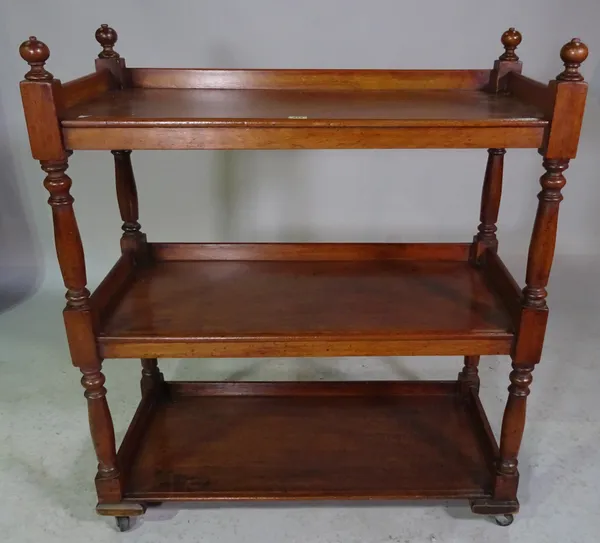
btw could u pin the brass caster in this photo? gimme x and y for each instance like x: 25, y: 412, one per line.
x: 504, y: 520
x: 123, y: 523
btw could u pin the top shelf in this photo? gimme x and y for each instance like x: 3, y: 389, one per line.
x: 290, y: 109
x: 118, y: 107
x: 302, y: 108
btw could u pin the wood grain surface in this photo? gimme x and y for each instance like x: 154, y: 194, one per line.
x: 215, y: 107
x: 276, y: 302
x: 346, y: 441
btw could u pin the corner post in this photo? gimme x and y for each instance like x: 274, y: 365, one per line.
x: 41, y: 102
x: 133, y: 240
x: 108, y: 58
x: 507, y: 62
x: 559, y: 147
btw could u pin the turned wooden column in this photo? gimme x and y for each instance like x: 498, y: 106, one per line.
x: 151, y: 375
x: 469, y: 376
x: 490, y: 204
x: 39, y: 92
x: 485, y: 239
x: 559, y: 147
x: 78, y: 316
x: 133, y: 239
x: 513, y: 425
x: 134, y: 242
x: 543, y: 239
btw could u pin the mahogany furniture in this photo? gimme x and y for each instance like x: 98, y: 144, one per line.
x: 285, y: 441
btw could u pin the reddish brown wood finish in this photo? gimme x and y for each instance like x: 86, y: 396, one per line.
x: 308, y: 80
x: 511, y: 40
x: 86, y: 88
x: 110, y: 290
x: 107, y: 37
x: 41, y: 98
x: 194, y: 300
x: 511, y: 435
x: 531, y: 92
x: 508, y: 62
x: 186, y: 108
x: 469, y: 376
x: 78, y: 320
x: 503, y: 283
x: 41, y: 114
x: 66, y: 233
x: 294, y: 137
x: 572, y: 54
x: 490, y: 204
x: 133, y: 238
x: 133, y: 241
x: 543, y: 238
x: 108, y: 59
x: 560, y: 145
x: 151, y: 375
x: 344, y: 304
x: 35, y: 53
x: 312, y: 252
x: 214, y: 441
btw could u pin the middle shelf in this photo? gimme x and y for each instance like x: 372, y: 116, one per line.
x: 228, y: 300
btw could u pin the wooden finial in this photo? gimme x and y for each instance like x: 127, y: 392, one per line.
x: 572, y: 54
x: 511, y: 40
x: 107, y: 37
x: 35, y: 53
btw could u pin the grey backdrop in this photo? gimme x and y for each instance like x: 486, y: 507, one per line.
x: 300, y: 195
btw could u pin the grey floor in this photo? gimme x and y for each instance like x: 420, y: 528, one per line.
x: 47, y: 462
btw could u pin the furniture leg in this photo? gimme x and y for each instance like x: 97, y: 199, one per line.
x: 101, y: 425
x: 133, y: 239
x: 534, y: 315
x: 78, y: 321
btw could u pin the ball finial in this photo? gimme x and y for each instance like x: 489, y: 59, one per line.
x: 107, y: 37
x: 35, y: 53
x: 572, y: 54
x: 510, y: 40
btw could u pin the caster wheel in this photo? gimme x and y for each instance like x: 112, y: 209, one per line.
x: 123, y: 523
x: 504, y: 520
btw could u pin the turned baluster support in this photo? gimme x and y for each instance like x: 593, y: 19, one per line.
x: 469, y: 376
x: 559, y: 147
x: 152, y: 378
x: 79, y: 322
x: 491, y: 195
x: 69, y: 248
x: 543, y: 240
x: 133, y: 239
x: 513, y: 426
x: 101, y: 426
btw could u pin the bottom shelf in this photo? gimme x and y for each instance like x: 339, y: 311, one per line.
x: 274, y: 441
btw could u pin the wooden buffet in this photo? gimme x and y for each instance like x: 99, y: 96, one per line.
x: 323, y: 440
